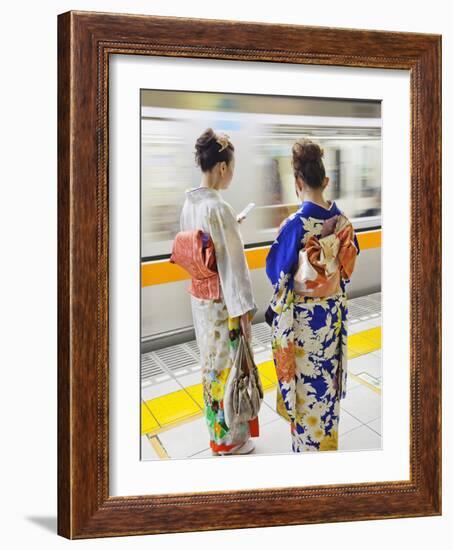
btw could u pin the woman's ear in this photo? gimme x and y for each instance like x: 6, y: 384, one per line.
x: 222, y: 167
x: 298, y: 186
x: 299, y: 183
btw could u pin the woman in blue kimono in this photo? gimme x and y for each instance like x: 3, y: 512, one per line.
x: 309, y: 264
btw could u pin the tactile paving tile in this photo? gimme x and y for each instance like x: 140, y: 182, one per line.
x: 150, y: 368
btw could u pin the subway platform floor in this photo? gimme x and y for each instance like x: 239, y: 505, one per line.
x: 172, y: 421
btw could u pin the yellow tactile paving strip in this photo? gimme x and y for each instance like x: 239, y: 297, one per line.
x: 163, y: 272
x: 162, y: 413
x: 363, y: 342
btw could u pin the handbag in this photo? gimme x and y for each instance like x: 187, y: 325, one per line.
x: 243, y: 391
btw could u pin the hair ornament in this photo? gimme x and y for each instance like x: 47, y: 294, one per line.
x: 223, y: 140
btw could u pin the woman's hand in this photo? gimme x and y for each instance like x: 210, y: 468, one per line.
x: 246, y: 325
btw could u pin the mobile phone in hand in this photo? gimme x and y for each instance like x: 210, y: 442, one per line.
x: 242, y: 215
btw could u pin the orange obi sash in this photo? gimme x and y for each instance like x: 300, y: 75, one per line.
x: 323, y: 261
x: 199, y: 261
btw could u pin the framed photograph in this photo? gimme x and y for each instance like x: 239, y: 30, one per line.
x: 249, y: 274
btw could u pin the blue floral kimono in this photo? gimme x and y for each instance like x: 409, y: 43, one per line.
x: 309, y: 337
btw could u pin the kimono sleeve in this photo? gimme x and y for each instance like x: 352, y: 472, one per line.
x: 281, y: 264
x: 231, y: 263
x: 282, y: 260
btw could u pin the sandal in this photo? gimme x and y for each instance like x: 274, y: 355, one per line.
x: 242, y: 449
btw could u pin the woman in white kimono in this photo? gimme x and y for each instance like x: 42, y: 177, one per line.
x: 218, y: 322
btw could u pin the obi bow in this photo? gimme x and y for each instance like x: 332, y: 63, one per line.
x: 198, y: 259
x: 323, y: 260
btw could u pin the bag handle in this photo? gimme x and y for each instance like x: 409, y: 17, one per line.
x: 248, y: 355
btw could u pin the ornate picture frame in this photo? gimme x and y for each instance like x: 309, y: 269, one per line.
x: 86, y: 41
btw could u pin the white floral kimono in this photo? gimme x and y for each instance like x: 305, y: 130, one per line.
x: 216, y: 322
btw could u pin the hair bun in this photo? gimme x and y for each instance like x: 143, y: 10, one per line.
x: 205, y: 140
x: 307, y: 151
x: 211, y: 148
x: 307, y: 162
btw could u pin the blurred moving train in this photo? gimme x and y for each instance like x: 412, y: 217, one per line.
x: 263, y: 129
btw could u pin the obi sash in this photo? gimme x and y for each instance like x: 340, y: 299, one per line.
x: 323, y: 261
x: 194, y: 252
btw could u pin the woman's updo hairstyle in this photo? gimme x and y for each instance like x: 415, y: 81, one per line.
x: 212, y: 148
x: 307, y: 162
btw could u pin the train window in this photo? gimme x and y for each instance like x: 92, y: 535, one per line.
x: 351, y: 140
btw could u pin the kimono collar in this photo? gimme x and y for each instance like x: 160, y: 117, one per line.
x: 200, y: 193
x: 310, y: 209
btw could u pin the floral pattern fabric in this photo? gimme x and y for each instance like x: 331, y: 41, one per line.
x: 216, y: 322
x: 218, y: 339
x: 309, y: 337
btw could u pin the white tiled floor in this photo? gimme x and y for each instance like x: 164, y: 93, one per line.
x: 376, y: 425
x: 186, y: 439
x: 270, y: 398
x: 205, y: 453
x: 347, y: 422
x: 369, y: 363
x: 159, y: 389
x: 359, y: 439
x: 362, y: 403
x: 274, y: 438
x: 267, y: 414
x: 190, y: 379
x: 352, y: 382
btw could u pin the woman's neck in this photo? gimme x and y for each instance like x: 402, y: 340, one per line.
x: 208, y: 180
x: 316, y: 197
